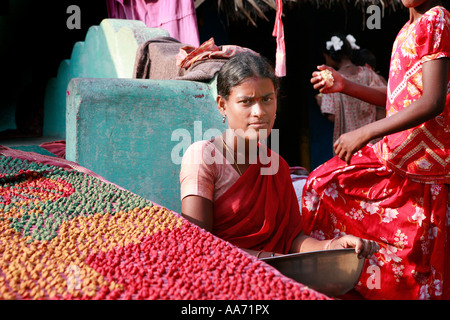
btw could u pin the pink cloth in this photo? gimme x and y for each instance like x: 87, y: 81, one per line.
x: 178, y: 17
x: 58, y: 148
x: 278, y: 31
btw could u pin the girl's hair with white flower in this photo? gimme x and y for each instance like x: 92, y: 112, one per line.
x: 339, y: 46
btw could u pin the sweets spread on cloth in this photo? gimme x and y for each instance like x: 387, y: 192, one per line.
x: 68, y: 234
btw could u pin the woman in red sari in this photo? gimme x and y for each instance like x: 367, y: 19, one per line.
x: 395, y: 192
x: 227, y: 185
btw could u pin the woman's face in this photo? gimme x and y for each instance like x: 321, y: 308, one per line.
x: 251, y: 107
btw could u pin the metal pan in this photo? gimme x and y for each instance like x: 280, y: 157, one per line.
x: 331, y: 272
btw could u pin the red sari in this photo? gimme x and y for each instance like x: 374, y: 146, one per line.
x: 258, y: 211
x: 396, y: 192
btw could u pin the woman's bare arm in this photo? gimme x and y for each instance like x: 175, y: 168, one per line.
x: 372, y: 95
x: 198, y: 210
x: 428, y: 106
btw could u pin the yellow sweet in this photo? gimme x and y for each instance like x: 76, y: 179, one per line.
x: 328, y: 77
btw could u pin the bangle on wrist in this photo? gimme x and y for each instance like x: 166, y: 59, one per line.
x: 328, y: 244
x: 258, y: 254
x: 261, y: 251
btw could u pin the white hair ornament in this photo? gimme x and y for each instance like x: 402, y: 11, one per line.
x: 335, y: 42
x: 352, y: 42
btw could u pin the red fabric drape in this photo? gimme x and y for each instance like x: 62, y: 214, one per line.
x: 408, y: 220
x: 278, y: 31
x: 259, y: 212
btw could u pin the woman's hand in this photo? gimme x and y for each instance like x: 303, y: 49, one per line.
x: 364, y: 248
x: 319, y: 83
x: 349, y: 143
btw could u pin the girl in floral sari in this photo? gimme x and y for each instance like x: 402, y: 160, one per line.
x: 229, y: 189
x: 395, y: 192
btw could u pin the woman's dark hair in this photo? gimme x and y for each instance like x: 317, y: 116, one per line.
x: 337, y: 55
x: 243, y: 66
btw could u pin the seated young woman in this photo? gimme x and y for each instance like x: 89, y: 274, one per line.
x: 239, y: 189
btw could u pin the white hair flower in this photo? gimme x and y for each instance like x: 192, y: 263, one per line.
x: 335, y: 42
x: 352, y: 42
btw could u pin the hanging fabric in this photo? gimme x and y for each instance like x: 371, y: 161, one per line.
x: 278, y: 31
x: 178, y: 17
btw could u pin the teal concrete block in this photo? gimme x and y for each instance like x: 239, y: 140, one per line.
x: 108, y: 51
x: 134, y: 132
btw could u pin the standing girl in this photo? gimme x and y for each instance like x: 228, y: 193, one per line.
x: 395, y: 192
x: 346, y: 112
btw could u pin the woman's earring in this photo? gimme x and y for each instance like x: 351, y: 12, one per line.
x: 223, y: 118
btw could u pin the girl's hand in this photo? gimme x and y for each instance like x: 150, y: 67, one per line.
x: 319, y: 83
x: 349, y: 143
x: 364, y: 248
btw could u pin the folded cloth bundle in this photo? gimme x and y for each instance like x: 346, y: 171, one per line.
x: 155, y: 59
x: 188, y: 55
x: 167, y: 58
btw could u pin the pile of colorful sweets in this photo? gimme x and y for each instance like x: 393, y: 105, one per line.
x: 65, y: 234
